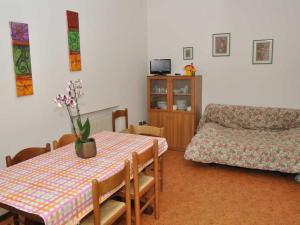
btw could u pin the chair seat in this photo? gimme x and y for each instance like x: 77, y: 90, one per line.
x: 144, y: 182
x: 110, y: 209
x: 3, y: 211
x: 6, y: 217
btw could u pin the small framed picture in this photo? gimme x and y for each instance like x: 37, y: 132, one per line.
x: 188, y: 53
x: 221, y: 44
x: 262, y: 51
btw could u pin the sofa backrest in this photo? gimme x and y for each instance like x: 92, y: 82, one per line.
x: 251, y: 117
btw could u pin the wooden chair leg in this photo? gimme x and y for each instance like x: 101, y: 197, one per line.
x: 156, y: 208
x: 137, y: 212
x: 161, y: 173
x: 21, y: 219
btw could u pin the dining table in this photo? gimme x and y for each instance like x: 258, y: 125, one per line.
x: 55, y: 188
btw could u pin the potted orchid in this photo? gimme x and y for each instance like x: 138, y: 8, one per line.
x: 85, y: 147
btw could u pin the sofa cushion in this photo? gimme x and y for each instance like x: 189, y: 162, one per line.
x: 251, y: 117
x: 262, y: 149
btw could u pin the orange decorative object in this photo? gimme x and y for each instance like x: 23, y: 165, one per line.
x: 24, y: 85
x: 75, y: 62
x: 190, y: 70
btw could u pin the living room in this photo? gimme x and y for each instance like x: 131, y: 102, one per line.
x: 117, y: 41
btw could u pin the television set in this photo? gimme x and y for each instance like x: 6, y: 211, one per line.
x: 160, y: 66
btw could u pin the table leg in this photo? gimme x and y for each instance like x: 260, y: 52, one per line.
x: 161, y: 173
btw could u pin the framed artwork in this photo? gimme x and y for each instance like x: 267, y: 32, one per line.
x: 21, y: 58
x: 188, y: 53
x: 262, y: 51
x: 221, y: 44
x: 74, y: 41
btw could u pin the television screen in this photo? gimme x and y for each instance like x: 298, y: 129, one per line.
x: 160, y: 66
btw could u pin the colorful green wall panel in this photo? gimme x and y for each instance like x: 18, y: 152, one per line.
x: 74, y: 41
x: 21, y: 57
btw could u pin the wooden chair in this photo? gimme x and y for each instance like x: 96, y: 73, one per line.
x: 146, y: 130
x: 26, y: 154
x: 117, y: 114
x: 142, y: 183
x: 109, y: 211
x: 21, y: 156
x: 155, y: 132
x: 64, y: 140
x: 7, y: 218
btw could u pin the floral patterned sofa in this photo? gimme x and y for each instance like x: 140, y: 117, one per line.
x: 246, y: 136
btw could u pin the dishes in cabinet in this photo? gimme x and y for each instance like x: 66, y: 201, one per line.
x: 159, y: 90
x: 176, y: 91
x: 162, y: 105
x: 181, y: 104
x: 183, y: 90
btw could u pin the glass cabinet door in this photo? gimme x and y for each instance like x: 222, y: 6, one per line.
x: 158, y: 94
x: 182, y: 95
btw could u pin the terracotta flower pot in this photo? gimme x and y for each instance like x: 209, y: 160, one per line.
x: 88, y: 149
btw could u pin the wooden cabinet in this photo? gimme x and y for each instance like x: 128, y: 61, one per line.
x: 174, y: 102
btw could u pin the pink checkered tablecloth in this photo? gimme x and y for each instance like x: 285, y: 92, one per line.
x: 57, y: 185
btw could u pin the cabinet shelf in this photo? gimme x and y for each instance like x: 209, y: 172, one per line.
x: 159, y: 110
x: 158, y: 93
x: 181, y: 111
x: 188, y: 94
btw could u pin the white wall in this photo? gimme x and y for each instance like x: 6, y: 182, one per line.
x: 114, y: 45
x: 113, y: 49
x: 174, y: 24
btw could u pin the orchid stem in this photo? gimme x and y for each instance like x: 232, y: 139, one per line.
x: 77, y: 106
x: 72, y: 122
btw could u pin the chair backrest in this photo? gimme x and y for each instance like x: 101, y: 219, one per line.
x: 64, y: 140
x: 102, y: 187
x: 26, y: 154
x: 147, y: 130
x: 143, y: 158
x: 119, y: 113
